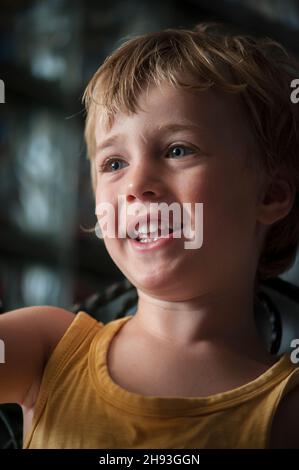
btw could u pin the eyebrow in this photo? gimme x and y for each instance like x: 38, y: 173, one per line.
x: 171, y: 127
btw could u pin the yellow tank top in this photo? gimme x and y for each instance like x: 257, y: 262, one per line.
x: 79, y: 406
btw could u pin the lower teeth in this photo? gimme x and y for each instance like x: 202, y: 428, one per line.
x: 147, y: 240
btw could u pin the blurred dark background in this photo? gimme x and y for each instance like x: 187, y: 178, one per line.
x: 49, y: 50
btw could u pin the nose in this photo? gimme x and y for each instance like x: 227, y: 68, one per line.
x: 144, y: 183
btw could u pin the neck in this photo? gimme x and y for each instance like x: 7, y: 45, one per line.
x: 224, y: 321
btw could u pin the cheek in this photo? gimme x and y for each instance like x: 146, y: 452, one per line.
x: 104, y: 194
x: 106, y: 213
x: 117, y: 250
x: 228, y: 207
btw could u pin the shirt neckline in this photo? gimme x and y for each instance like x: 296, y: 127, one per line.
x: 139, y: 404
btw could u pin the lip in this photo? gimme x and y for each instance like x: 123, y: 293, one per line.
x: 161, y: 242
x: 146, y: 218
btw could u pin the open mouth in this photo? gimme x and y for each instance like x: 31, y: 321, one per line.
x: 154, y: 236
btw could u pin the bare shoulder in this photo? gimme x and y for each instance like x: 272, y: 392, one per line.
x: 285, y: 426
x: 55, y: 322
x: 29, y: 334
x: 51, y: 323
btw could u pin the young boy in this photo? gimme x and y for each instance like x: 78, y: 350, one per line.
x: 189, y: 369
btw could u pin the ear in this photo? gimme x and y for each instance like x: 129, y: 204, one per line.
x: 276, y: 201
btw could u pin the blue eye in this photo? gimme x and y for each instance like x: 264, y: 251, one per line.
x: 107, y: 165
x: 175, y: 150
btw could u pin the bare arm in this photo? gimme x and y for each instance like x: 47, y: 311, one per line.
x: 29, y: 335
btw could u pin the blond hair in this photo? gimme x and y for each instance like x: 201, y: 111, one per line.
x: 260, y: 70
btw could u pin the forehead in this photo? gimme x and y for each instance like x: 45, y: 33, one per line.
x: 217, y: 115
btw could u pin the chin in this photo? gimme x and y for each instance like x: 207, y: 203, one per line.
x: 153, y: 282
x: 160, y: 285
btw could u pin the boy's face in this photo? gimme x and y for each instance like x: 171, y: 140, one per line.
x: 208, y: 165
